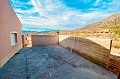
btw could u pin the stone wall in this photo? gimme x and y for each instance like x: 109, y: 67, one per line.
x: 44, y: 39
x: 94, y: 49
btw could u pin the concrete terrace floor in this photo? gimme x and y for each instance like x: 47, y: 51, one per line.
x: 51, y: 62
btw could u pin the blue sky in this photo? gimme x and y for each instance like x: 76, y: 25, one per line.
x: 46, y: 15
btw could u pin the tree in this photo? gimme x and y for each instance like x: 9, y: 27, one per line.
x: 58, y: 32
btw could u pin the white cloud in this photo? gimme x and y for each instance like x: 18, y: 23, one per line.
x: 29, y: 11
x: 96, y: 2
x: 56, y: 15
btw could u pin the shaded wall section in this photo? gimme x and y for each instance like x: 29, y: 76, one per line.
x: 44, y: 40
x: 94, y: 49
x: 9, y: 22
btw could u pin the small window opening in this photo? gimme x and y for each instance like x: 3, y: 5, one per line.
x: 13, y: 39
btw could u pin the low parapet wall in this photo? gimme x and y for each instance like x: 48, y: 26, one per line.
x: 94, y: 49
x: 44, y: 39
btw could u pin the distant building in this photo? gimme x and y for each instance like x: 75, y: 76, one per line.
x: 26, y: 40
x: 10, y: 32
x: 65, y: 32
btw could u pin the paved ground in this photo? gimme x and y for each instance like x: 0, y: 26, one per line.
x: 51, y: 62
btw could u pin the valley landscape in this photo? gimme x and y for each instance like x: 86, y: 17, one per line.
x: 106, y: 28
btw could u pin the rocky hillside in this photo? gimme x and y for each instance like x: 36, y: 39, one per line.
x: 113, y: 20
x: 109, y: 27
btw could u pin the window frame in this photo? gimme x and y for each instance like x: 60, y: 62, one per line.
x: 16, y: 38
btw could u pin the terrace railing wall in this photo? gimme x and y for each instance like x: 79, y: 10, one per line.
x: 94, y: 49
x: 44, y: 40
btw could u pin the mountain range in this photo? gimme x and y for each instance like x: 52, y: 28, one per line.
x: 110, y: 25
x: 111, y: 21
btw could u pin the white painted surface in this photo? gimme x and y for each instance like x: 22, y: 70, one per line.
x: 13, y: 39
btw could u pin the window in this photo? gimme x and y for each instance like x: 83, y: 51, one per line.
x: 13, y: 39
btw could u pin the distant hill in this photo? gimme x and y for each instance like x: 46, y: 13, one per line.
x: 106, y: 28
x: 109, y: 27
x: 113, y: 20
